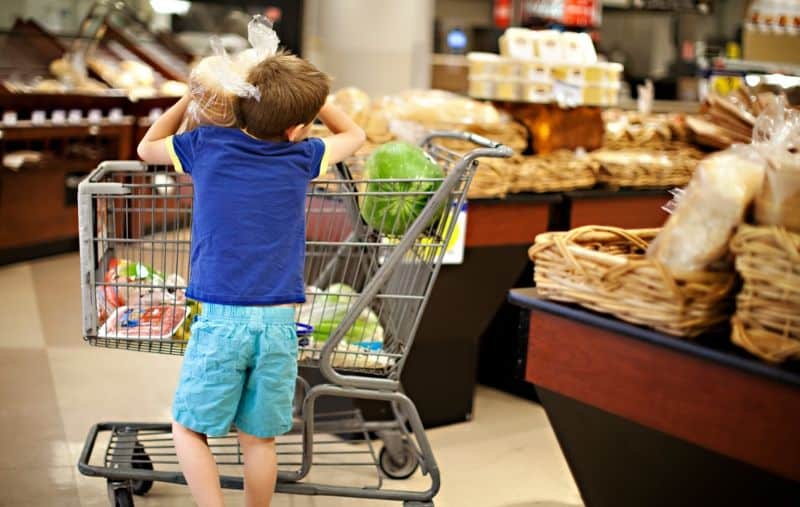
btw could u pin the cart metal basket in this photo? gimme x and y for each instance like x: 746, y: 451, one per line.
x: 369, y: 271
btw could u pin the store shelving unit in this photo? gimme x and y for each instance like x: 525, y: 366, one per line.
x: 645, y: 418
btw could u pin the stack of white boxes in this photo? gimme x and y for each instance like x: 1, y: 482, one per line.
x: 544, y: 66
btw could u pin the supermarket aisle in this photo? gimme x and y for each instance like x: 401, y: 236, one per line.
x: 53, y: 388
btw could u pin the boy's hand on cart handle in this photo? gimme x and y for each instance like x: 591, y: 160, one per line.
x: 152, y: 148
x: 348, y: 136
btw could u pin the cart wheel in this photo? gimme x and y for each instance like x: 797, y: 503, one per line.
x: 120, y: 495
x: 142, y: 462
x: 399, y: 466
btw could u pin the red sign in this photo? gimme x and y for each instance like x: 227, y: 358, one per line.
x: 502, y: 13
x: 580, y: 13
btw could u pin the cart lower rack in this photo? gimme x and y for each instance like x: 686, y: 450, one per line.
x: 368, y: 276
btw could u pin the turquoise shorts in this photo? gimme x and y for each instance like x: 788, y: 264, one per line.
x: 240, y: 367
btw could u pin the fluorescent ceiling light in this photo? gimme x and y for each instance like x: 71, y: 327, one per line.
x: 170, y: 6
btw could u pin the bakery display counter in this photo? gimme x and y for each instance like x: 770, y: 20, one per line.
x: 42, y: 166
x: 629, y: 209
x: 644, y: 418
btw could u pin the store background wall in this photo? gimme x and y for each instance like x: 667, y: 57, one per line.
x: 651, y: 40
x: 381, y: 46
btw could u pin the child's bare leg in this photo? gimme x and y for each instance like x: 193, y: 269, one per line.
x: 198, y: 466
x: 260, y: 469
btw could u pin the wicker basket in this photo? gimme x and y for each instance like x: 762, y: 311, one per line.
x: 491, y: 179
x: 671, y: 165
x: 605, y: 269
x: 767, y: 320
x: 560, y: 171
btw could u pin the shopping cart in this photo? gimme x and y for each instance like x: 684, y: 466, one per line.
x: 369, y: 271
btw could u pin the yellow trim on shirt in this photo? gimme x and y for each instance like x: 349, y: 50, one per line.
x: 176, y: 162
x: 323, y: 165
x: 250, y: 135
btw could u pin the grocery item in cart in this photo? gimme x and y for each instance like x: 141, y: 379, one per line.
x: 151, y: 323
x: 325, y: 309
x: 137, y: 285
x: 697, y: 233
x: 387, y: 205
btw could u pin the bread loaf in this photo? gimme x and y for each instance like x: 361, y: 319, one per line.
x: 696, y: 235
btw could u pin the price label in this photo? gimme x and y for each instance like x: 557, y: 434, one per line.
x: 10, y: 118
x: 115, y: 115
x: 58, y: 116
x: 39, y: 117
x: 75, y: 116
x: 95, y: 116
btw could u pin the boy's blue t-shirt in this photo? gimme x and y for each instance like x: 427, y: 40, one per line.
x: 248, y: 228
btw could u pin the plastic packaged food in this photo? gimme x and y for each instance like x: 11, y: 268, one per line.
x: 482, y: 64
x: 437, y: 107
x: 777, y: 134
x: 696, y: 235
x: 519, y: 43
x: 507, y: 67
x: 481, y: 87
x: 219, y: 80
x: 570, y: 73
x: 594, y: 95
x: 578, y: 48
x: 507, y: 88
x: 595, y: 73
x: 614, y: 71
x: 536, y: 70
x: 549, y: 46
x: 537, y: 92
x: 151, y: 323
x: 354, y: 102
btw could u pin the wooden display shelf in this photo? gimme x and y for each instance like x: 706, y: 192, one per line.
x: 629, y: 209
x: 515, y: 220
x: 645, y: 418
x: 38, y: 201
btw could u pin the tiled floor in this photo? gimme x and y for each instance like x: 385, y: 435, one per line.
x: 53, y: 387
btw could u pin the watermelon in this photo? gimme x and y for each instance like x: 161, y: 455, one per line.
x: 392, y: 214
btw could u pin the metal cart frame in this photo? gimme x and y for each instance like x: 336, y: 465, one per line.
x: 126, y: 207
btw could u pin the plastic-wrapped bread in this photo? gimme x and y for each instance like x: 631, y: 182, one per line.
x: 777, y: 133
x: 219, y: 80
x: 714, y: 204
x: 213, y: 85
x: 778, y: 203
x: 354, y: 102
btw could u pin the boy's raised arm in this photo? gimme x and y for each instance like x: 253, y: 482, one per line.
x: 348, y: 136
x: 152, y: 148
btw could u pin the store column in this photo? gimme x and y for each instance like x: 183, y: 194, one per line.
x: 380, y: 46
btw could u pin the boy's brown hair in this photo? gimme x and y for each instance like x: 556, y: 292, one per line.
x: 292, y: 92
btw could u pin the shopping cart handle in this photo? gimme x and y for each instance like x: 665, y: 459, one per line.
x: 110, y: 166
x: 496, y: 149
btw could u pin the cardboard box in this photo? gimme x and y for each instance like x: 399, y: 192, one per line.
x: 771, y: 47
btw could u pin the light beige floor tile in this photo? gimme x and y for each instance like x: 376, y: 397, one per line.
x: 95, y: 384
x: 31, y: 430
x: 39, y: 487
x: 19, y: 313
x: 58, y: 293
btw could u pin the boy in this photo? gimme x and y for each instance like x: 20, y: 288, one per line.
x: 248, y: 247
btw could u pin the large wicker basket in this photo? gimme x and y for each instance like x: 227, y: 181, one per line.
x: 559, y: 171
x: 670, y: 165
x: 767, y: 320
x: 605, y: 269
